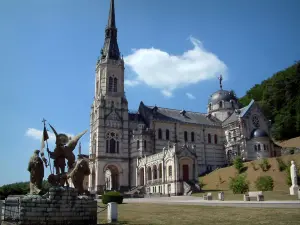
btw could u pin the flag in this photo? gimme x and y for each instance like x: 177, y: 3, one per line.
x: 45, y: 137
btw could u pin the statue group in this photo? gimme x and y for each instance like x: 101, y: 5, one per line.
x: 64, y: 147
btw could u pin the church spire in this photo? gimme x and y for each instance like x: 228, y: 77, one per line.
x: 111, y: 17
x: 110, y: 49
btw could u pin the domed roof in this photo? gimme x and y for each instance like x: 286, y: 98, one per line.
x: 222, y: 95
x: 258, y: 133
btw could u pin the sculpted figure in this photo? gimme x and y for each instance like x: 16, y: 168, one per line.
x: 64, y: 150
x: 294, y: 174
x: 36, y: 169
x: 80, y: 170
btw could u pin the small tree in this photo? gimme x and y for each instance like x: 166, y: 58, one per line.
x: 238, y: 164
x: 281, y: 165
x: 239, y: 184
x: 264, y: 183
x: 264, y: 165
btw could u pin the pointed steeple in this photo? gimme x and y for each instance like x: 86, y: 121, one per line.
x: 111, y: 17
x: 110, y: 49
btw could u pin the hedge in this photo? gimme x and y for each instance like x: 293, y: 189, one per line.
x: 112, y: 196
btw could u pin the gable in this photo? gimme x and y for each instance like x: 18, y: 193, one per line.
x: 186, y: 151
x: 113, y: 116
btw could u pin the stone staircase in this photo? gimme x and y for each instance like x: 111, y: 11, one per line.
x: 190, y: 187
x: 136, y: 191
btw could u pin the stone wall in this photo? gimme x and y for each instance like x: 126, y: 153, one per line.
x: 61, y: 206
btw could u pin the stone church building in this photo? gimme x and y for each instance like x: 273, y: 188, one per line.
x: 164, y: 150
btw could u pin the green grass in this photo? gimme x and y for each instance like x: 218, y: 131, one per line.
x: 269, y: 195
x: 188, y: 215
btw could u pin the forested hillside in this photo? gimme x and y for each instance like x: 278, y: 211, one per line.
x: 279, y: 98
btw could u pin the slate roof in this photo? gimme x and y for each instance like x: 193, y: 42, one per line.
x: 234, y: 116
x: 175, y: 115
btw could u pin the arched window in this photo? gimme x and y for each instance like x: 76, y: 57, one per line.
x: 209, y: 138
x: 115, y: 84
x: 112, y: 142
x: 265, y: 147
x: 110, y: 84
x: 255, y: 148
x: 94, y: 146
x: 258, y: 147
x: 216, y: 139
x: 154, y: 172
x: 145, y: 144
x: 159, y: 134
x: 138, y: 144
x: 149, y: 173
x: 167, y: 134
x: 209, y: 106
x: 160, y: 170
x: 170, y: 171
x: 229, y: 135
x: 220, y: 104
x: 185, y: 136
x: 192, y: 137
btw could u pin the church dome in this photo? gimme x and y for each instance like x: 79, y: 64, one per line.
x: 257, y: 133
x: 222, y: 95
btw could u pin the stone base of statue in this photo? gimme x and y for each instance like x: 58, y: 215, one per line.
x: 61, y: 205
x: 294, y: 189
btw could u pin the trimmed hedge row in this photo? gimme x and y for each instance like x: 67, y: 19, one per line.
x: 112, y: 196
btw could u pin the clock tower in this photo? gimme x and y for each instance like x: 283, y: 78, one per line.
x: 109, y: 117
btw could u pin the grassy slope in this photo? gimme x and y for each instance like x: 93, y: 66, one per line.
x: 212, y: 180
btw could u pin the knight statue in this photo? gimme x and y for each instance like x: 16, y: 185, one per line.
x: 36, y: 169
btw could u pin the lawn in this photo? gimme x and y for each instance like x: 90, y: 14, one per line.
x: 269, y: 195
x: 187, y: 215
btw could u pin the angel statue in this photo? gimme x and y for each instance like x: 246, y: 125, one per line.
x: 64, y: 150
x: 36, y: 169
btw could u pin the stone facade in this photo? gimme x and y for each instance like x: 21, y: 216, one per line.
x: 121, y: 140
x: 61, y: 207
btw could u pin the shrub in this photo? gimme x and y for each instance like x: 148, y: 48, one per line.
x: 264, y: 183
x: 239, y: 184
x: 264, y: 165
x: 238, y: 164
x: 254, y: 166
x: 281, y: 165
x: 112, y: 196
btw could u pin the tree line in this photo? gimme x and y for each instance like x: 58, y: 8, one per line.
x: 279, y: 99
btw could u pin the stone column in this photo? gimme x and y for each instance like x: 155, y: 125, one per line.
x: 163, y: 176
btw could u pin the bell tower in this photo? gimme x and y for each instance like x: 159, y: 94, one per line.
x: 109, y: 116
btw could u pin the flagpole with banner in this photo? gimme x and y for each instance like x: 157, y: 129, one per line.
x: 45, y: 137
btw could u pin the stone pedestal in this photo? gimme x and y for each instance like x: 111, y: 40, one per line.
x: 112, y: 212
x: 61, y: 206
x: 294, y: 189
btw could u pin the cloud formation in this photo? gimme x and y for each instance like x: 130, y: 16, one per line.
x: 37, y: 134
x: 190, y: 96
x: 161, y: 70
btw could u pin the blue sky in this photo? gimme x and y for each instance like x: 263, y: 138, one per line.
x: 174, y: 50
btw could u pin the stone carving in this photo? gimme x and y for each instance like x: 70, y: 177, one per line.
x: 64, y: 150
x: 294, y: 174
x: 80, y: 170
x: 294, y: 177
x: 36, y: 169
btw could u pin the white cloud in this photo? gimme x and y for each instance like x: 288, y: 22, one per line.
x: 190, y: 96
x: 37, y: 134
x: 159, y: 69
x: 131, y: 83
x: 167, y: 93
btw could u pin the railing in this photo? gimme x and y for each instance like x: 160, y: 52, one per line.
x: 154, y: 182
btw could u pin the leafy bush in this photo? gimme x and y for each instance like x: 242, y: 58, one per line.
x: 281, y: 165
x: 264, y: 165
x: 238, y: 164
x: 288, y: 176
x: 264, y: 183
x: 254, y: 166
x: 112, y: 196
x: 239, y: 184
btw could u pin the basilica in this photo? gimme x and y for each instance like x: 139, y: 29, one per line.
x: 161, y: 150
